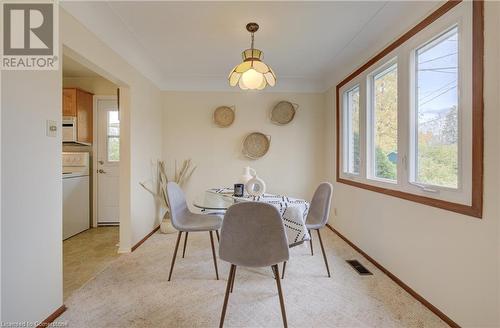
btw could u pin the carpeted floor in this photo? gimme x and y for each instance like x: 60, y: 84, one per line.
x: 133, y: 291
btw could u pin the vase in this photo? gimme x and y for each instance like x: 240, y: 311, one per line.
x: 255, y: 186
x: 248, y: 173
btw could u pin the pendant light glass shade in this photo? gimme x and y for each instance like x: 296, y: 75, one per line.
x: 252, y: 73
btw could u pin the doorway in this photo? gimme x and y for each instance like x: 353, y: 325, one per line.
x: 107, y: 161
x: 94, y: 246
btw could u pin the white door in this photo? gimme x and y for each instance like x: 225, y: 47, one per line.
x: 108, y: 162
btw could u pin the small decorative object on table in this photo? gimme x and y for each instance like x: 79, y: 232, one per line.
x: 248, y: 173
x: 256, y: 186
x: 239, y: 189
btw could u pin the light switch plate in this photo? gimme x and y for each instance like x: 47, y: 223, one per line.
x: 51, y: 128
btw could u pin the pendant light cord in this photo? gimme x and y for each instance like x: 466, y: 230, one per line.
x: 251, y: 47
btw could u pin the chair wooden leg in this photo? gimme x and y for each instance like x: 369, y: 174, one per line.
x: 217, y: 233
x: 213, y: 254
x: 175, y: 254
x: 230, y: 279
x: 324, y: 254
x: 185, y: 243
x: 280, y: 294
x: 234, y: 277
x: 283, y: 273
x: 311, y: 242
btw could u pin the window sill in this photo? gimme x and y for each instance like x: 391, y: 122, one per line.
x: 469, y: 210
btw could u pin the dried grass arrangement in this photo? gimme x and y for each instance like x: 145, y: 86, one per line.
x: 159, y: 187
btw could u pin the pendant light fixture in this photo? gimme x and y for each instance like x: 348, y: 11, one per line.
x: 252, y: 73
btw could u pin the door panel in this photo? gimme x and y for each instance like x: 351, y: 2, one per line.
x: 108, y: 162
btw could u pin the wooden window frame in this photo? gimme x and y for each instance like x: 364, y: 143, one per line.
x: 475, y: 209
x: 348, y: 121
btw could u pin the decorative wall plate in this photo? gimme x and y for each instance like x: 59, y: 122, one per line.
x: 224, y: 116
x: 256, y: 145
x: 284, y: 112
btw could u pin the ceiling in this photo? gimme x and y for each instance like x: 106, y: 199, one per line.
x: 194, y: 45
x: 72, y: 68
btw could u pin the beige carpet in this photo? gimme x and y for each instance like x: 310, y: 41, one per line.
x: 134, y: 292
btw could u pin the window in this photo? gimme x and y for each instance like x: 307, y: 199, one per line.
x: 410, y: 120
x: 437, y: 128
x: 384, y: 146
x: 113, y: 144
x: 352, y: 162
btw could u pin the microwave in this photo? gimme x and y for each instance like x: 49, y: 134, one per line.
x: 69, y: 129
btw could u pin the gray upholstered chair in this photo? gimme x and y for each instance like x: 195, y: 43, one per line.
x: 185, y: 221
x: 253, y: 235
x: 317, y: 217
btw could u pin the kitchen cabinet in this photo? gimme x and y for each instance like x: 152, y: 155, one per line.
x: 79, y: 103
x: 69, y: 102
x: 84, y: 106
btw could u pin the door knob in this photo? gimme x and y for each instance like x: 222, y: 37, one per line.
x: 101, y: 171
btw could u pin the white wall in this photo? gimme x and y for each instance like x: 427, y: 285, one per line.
x: 293, y: 165
x: 31, y: 196
x: 450, y: 259
x: 145, y: 147
x: 141, y: 125
x: 0, y: 198
x: 31, y: 190
x: 96, y: 85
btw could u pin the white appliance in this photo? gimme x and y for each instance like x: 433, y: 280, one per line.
x: 76, y: 195
x: 69, y: 129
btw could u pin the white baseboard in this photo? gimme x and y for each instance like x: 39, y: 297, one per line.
x: 124, y: 250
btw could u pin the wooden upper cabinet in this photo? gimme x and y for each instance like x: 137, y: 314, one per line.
x: 79, y: 103
x: 69, y: 102
x: 84, y: 116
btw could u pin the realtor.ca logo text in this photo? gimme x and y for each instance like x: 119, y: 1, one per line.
x: 29, y: 36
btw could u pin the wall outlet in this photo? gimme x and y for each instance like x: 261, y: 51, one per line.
x: 51, y: 130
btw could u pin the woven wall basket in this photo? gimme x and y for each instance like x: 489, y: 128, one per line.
x: 224, y: 116
x: 283, y: 113
x: 256, y: 145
